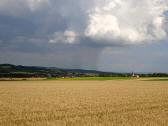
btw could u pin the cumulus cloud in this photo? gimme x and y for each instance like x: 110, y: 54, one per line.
x: 36, y: 4
x: 105, y: 22
x: 68, y: 37
x: 18, y: 7
x: 129, y: 22
x: 79, y: 30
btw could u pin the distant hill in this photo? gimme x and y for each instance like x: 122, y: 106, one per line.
x: 5, y: 68
x: 10, y: 70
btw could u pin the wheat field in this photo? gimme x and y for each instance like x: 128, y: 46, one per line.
x: 84, y: 103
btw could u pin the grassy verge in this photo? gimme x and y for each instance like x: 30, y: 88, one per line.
x: 161, y: 79
x: 86, y: 78
x: 154, y: 79
x: 92, y: 78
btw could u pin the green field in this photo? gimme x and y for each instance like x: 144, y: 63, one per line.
x: 92, y: 78
x: 111, y: 78
x: 86, y: 79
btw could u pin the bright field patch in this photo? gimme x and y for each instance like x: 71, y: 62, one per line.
x: 84, y: 103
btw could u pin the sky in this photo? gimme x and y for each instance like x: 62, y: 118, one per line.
x: 105, y: 35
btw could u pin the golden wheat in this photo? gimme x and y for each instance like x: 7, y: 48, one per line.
x: 84, y: 103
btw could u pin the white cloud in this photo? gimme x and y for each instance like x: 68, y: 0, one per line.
x: 128, y: 21
x: 68, y: 37
x: 104, y: 21
x: 18, y: 7
x: 36, y: 4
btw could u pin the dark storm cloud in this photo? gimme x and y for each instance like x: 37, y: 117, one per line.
x: 70, y: 33
x: 95, y: 23
x: 23, y: 22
